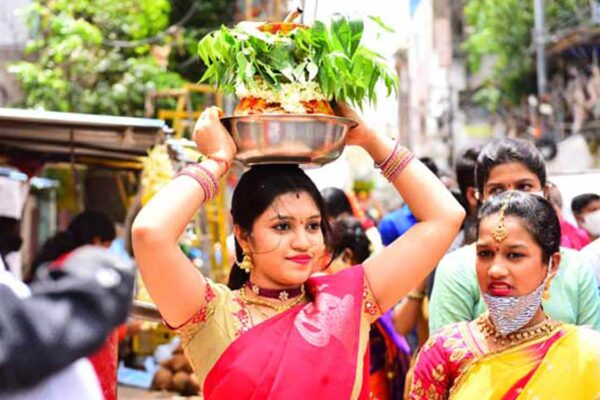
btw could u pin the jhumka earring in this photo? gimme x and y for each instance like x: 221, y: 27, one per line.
x: 546, y: 294
x: 246, y: 263
x: 500, y: 232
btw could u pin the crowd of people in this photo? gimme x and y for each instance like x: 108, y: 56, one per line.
x: 485, y: 289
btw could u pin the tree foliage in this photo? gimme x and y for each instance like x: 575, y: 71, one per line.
x: 204, y: 16
x: 503, y: 30
x: 71, y: 67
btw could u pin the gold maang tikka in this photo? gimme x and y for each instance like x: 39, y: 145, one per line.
x: 500, y: 232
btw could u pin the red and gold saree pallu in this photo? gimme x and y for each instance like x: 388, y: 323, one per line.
x: 308, y: 352
x: 565, y: 365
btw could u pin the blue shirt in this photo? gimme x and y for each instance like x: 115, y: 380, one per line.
x: 395, y: 223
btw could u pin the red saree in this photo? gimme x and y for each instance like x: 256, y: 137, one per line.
x: 310, y: 351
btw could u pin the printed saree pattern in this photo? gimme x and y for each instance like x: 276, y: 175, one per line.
x: 564, y: 364
x: 311, y: 351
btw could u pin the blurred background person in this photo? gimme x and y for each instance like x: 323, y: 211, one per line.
x: 389, y: 353
x: 10, y: 240
x: 465, y: 178
x: 86, y: 228
x: 395, y: 223
x: 571, y: 237
x: 339, y: 204
x: 46, y: 328
x: 591, y: 256
x: 586, y: 209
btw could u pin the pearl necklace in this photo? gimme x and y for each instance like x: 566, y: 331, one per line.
x: 488, y: 329
x: 278, y: 308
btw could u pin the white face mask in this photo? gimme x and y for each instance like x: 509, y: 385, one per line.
x: 511, y: 313
x: 540, y: 193
x: 591, y: 222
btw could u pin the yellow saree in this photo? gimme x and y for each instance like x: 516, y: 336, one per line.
x: 563, y: 366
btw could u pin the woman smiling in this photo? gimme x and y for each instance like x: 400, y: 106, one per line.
x: 277, y: 332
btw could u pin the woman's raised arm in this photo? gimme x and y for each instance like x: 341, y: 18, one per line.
x: 174, y: 284
x: 398, y: 268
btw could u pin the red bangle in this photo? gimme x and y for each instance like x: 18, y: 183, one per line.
x: 203, y: 184
x: 220, y: 161
x: 384, y: 163
x: 209, y: 175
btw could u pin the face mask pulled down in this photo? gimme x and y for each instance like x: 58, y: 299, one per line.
x: 511, y: 313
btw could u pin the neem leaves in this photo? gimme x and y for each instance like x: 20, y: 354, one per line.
x: 330, y: 55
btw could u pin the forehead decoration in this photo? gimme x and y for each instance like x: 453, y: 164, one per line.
x: 500, y: 232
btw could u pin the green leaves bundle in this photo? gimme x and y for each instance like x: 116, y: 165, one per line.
x: 331, y: 56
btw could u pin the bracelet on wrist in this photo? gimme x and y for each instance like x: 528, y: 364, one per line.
x: 384, y: 163
x: 220, y: 160
x: 206, y: 179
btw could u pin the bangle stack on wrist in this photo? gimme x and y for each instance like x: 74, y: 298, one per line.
x: 395, y: 162
x: 204, y: 177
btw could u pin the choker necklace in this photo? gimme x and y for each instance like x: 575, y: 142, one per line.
x: 280, y: 294
x: 488, y: 329
x: 279, y: 308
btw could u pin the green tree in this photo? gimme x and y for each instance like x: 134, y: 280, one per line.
x: 199, y: 18
x: 503, y: 29
x: 73, y: 65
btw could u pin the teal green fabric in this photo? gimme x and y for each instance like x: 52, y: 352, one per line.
x: 574, y: 297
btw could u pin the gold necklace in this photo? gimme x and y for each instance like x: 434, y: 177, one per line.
x: 488, y: 329
x: 278, y: 308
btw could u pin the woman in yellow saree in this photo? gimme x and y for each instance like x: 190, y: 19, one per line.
x: 514, y: 351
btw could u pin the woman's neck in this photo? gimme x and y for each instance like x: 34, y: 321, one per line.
x: 538, y: 318
x: 489, y: 343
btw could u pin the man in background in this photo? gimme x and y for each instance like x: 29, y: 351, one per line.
x: 47, y: 328
x: 586, y: 209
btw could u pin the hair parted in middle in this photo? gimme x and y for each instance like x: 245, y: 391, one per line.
x: 537, y: 214
x: 505, y: 151
x: 256, y: 190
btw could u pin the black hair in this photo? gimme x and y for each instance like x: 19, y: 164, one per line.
x: 336, y: 202
x: 505, y: 151
x: 348, y: 233
x: 82, y: 230
x: 429, y: 163
x: 256, y: 191
x: 582, y: 201
x: 462, y: 200
x: 465, y: 168
x: 538, y: 215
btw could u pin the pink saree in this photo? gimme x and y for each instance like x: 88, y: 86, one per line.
x: 310, y: 351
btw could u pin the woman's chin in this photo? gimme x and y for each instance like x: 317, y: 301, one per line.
x: 296, y: 278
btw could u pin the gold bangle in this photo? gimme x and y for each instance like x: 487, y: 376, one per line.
x: 415, y: 295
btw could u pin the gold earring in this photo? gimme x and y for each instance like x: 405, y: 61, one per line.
x: 546, y: 294
x: 246, y: 263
